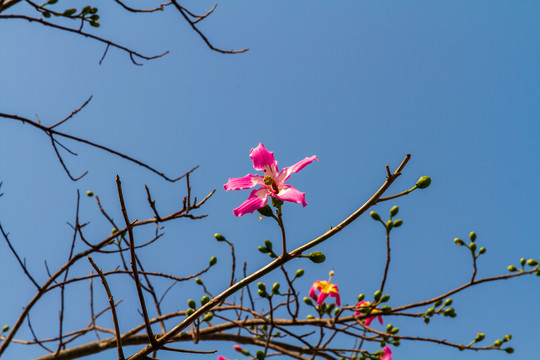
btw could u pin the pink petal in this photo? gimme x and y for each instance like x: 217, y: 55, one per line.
x: 256, y: 200
x: 321, y: 298
x: 380, y: 319
x: 246, y: 182
x: 290, y: 193
x: 238, y: 348
x: 387, y: 354
x: 338, y: 299
x: 221, y: 358
x: 264, y: 161
x: 369, y: 320
x: 286, y: 172
x: 312, y: 293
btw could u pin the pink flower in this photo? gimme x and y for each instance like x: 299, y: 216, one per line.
x: 325, y: 289
x: 273, y: 181
x: 221, y: 358
x: 387, y: 353
x: 238, y: 348
x: 369, y: 319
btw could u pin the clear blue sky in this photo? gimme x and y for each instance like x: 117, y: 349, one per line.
x: 359, y: 84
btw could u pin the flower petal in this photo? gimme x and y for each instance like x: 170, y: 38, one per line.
x: 256, y: 200
x: 290, y: 193
x: 321, y: 298
x: 286, y: 172
x: 245, y: 182
x: 264, y: 161
x: 387, y: 353
x: 312, y: 293
x: 335, y: 293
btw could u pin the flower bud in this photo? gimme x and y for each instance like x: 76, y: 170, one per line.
x: 268, y: 244
x: 310, y: 317
x: 438, y: 303
x: 317, y: 257
x: 479, y: 337
x: 512, y: 268
x: 377, y: 295
x: 238, y: 348
x: 261, y: 293
x: 361, y: 297
x: 509, y: 350
x: 5, y: 328
x: 199, y: 281
x: 507, y: 337
x: 430, y: 311
x: 498, y: 343
x: 385, y: 298
x: 532, y: 262
x: 260, y: 354
x: 459, y: 242
x: 114, y: 231
x: 482, y: 250
x: 522, y: 261
x: 448, y: 302
x: 213, y: 261
x: 219, y: 237
x: 394, y: 210
x: 263, y: 249
x: 299, y: 273
x: 208, y: 317
x: 394, y: 331
x: 191, y: 303
x: 261, y: 286
x: 69, y: 12
x: 276, y: 202
x: 426, y: 320
x: 389, y: 327
x: 275, y: 288
x: 386, y: 309
x: 375, y: 216
x: 389, y: 224
x: 398, y: 223
x: 448, y: 312
x: 190, y: 312
x: 308, y: 301
x: 423, y: 182
x: 472, y: 236
x: 266, y: 210
x: 472, y: 246
x: 204, y: 300
x: 89, y: 193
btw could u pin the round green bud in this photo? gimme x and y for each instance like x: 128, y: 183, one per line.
x: 260, y: 354
x: 472, y: 236
x: 69, y: 12
x: 375, y: 216
x: 522, y: 261
x: 308, y: 301
x: 204, y: 300
x: 394, y: 331
x: 47, y: 14
x: 537, y: 273
x: 268, y: 244
x: 448, y: 312
x: 498, y: 343
x: 261, y: 286
x: 396, y: 342
x: 310, y: 317
x: 317, y: 257
x: 459, y: 242
x: 398, y: 223
x: 385, y: 298
x: 532, y: 262
x: 5, y: 328
x: 472, y: 246
x: 199, y: 281
x: 114, y: 231
x: 189, y: 312
x: 394, y: 210
x: 329, y: 308
x: 448, y: 302
x: 512, y: 268
x: 88, y: 193
x: 426, y: 320
x: 263, y: 249
x: 361, y: 297
x: 509, y: 350
x: 94, y: 24
x: 479, y: 337
x: 192, y: 304
x: 438, y: 303
x: 94, y: 10
x: 299, y: 273
x: 377, y: 295
x: 275, y: 288
x: 389, y: 327
x: 208, y: 317
x: 219, y: 237
x: 482, y: 250
x: 389, y: 224
x: 507, y: 337
x: 423, y: 182
x: 386, y: 309
x: 213, y: 261
x: 51, y: 2
x: 261, y: 293
x: 266, y: 210
x: 430, y: 311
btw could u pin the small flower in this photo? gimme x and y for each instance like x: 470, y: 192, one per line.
x: 221, y: 358
x: 238, y: 348
x: 365, y: 304
x: 326, y: 288
x: 273, y: 181
x: 387, y: 353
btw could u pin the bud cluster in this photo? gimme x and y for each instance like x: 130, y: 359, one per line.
x: 531, y: 263
x: 267, y: 249
x: 440, y: 307
x: 390, y: 224
x: 472, y: 245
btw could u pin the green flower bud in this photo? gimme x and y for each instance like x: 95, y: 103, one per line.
x: 213, y: 261
x: 219, y: 237
x: 389, y: 224
x: 438, y: 303
x: 512, y: 268
x: 317, y: 257
x: 375, y: 216
x: 5, y: 328
x: 94, y: 17
x: 189, y: 312
x: 275, y: 288
x: 394, y: 210
x: 532, y: 262
x: 336, y: 311
x: 88, y: 193
x: 308, y: 301
x: 263, y: 249
x: 260, y: 354
x: 268, y: 244
x: 426, y: 320
x: 385, y: 298
x: 330, y: 308
x: 377, y: 295
x: 361, y: 297
x: 448, y: 302
x: 94, y: 24
x: 459, y: 242
x: 448, y: 312
x: 310, y: 317
x: 472, y: 236
x: 198, y: 281
x: 423, y: 182
x: 509, y: 350
x: 208, y: 317
x: 261, y: 286
x: 398, y: 223
x: 192, y: 304
x: 498, y: 343
x: 299, y: 273
x: 479, y: 337
x: 48, y: 15
x: 537, y: 273
x: 482, y: 250
x: 386, y: 309
x: 430, y: 311
x: 507, y: 337
x: 94, y: 10
x: 266, y: 210
x: 394, y: 331
x: 114, y: 231
x: 262, y: 293
x: 389, y: 327
x: 522, y: 261
x: 396, y: 342
x: 276, y: 202
x: 51, y: 2
x: 69, y: 12
x: 204, y: 300
x: 472, y: 246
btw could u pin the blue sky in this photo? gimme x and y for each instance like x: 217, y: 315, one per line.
x: 359, y: 84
